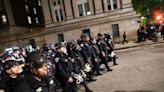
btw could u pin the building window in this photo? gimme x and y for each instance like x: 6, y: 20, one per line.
x: 27, y: 8
x: 86, y: 31
x: 109, y: 4
x: 115, y: 30
x: 58, y: 2
x: 37, y: 20
x: 80, y: 9
x: 112, y: 4
x: 86, y: 6
x: 61, y: 14
x: 83, y: 7
x: 58, y: 10
x: 4, y: 19
x: 39, y: 3
x: 29, y: 19
x: 34, y: 9
x: 55, y: 3
x: 61, y: 37
x: 56, y: 14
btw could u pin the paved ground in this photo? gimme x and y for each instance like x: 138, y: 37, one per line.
x: 140, y: 69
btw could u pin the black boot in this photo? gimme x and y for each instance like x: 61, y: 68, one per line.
x: 109, y: 69
x: 114, y: 61
x: 87, y: 89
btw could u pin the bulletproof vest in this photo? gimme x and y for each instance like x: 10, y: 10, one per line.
x: 102, y: 45
x: 88, y: 49
x: 96, y: 50
x: 65, y: 63
x: 78, y: 58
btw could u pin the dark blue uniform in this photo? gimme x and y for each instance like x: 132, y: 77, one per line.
x: 64, y: 70
x: 103, y: 53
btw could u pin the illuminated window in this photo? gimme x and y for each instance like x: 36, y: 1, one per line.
x: 29, y: 19
x: 4, y: 19
x: 27, y: 8
x: 37, y: 20
x: 34, y: 9
x: 39, y: 3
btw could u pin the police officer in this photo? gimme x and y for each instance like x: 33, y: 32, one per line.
x: 87, y: 54
x: 11, y: 78
x: 17, y: 56
x: 110, y: 49
x: 37, y: 80
x: 103, y: 51
x: 75, y: 54
x: 64, y: 71
x: 95, y: 57
x: 78, y: 64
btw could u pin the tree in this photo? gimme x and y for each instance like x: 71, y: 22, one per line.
x: 146, y: 8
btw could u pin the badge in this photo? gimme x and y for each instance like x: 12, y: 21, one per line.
x: 66, y: 60
x: 82, y: 45
x: 57, y: 60
x: 73, y: 60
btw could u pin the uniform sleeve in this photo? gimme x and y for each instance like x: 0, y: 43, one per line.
x: 93, y: 53
x: 2, y: 81
x: 84, y: 55
x: 100, y: 46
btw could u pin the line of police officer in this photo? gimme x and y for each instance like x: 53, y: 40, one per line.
x: 67, y: 65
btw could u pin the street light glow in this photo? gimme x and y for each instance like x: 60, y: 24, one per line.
x: 158, y: 17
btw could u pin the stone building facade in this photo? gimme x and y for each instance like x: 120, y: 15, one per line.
x: 68, y: 19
